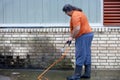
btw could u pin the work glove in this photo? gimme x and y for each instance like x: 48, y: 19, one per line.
x: 68, y: 42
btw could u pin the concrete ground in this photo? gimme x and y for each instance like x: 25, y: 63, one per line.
x: 56, y: 74
x: 4, y: 77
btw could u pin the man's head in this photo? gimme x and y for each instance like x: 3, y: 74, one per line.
x: 68, y: 9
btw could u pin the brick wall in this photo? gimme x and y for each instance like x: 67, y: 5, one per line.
x: 39, y: 47
x: 105, y: 48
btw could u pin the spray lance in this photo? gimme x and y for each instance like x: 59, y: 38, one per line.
x: 64, y: 52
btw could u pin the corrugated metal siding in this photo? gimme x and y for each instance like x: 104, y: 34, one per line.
x: 1, y: 12
x: 45, y: 11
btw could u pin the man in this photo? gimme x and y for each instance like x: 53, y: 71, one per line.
x: 83, y: 35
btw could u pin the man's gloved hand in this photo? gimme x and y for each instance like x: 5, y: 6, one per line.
x: 69, y: 41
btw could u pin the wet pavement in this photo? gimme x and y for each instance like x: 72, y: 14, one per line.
x: 4, y: 78
x: 56, y: 74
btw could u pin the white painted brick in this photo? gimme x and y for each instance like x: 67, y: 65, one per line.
x: 112, y: 57
x: 1, y: 43
x: 95, y: 63
x: 104, y: 39
x: 49, y: 35
x: 94, y: 42
x: 109, y: 67
x: 113, y: 32
x: 58, y: 42
x: 42, y: 35
x: 94, y: 48
x: 109, y: 61
x: 102, y: 35
x: 104, y: 57
x: 118, y: 56
x: 105, y: 64
x: 104, y: 45
x: 33, y: 35
x: 93, y: 67
x: 8, y: 36
x: 100, y: 67
x: 101, y: 42
x: 101, y: 55
x: 118, y: 36
x: 113, y: 38
x: 118, y: 60
x: 102, y: 48
x: 23, y: 38
x: 58, y: 36
x: 103, y: 52
x: 111, y: 35
x: 94, y: 54
x: 111, y: 54
x: 95, y: 45
x: 117, y: 66
x: 60, y: 45
x: 59, y: 39
x: 96, y: 38
x: 65, y: 36
x: 118, y: 45
x: 7, y: 42
x: 15, y: 35
x: 111, y: 48
x: 95, y: 57
x: 113, y: 51
x: 118, y: 41
x: 96, y: 35
x: 111, y: 42
x: 113, y: 64
x: 95, y: 51
x: 102, y: 61
x: 113, y: 45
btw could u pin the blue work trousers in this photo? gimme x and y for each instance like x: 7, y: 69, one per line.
x: 83, y: 49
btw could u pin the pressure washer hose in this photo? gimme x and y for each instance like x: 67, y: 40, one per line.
x: 41, y: 76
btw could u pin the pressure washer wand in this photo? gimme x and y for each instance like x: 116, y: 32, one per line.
x: 60, y: 59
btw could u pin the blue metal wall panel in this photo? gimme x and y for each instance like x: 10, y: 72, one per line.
x: 16, y: 11
x: 1, y: 12
x: 8, y: 11
x: 38, y: 11
x: 92, y: 12
x: 45, y: 11
x: 98, y: 11
x: 23, y: 11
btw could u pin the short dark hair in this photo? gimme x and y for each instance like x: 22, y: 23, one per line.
x: 68, y: 8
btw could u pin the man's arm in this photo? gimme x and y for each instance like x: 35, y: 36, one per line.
x: 75, y: 32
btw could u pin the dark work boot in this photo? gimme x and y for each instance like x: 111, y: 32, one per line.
x: 77, y: 74
x: 87, y: 73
